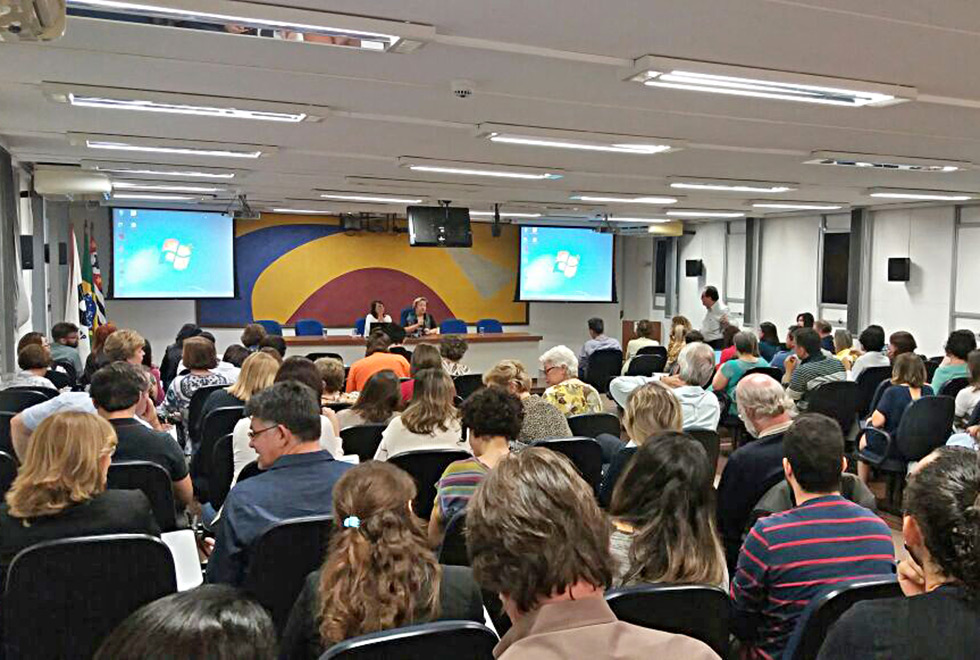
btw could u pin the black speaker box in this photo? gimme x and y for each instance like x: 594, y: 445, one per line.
x: 899, y: 269
x: 694, y: 267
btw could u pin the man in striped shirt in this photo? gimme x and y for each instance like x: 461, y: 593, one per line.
x: 810, y: 367
x: 791, y: 557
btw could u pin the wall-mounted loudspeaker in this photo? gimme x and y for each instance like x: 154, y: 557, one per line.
x: 899, y: 269
x: 694, y: 267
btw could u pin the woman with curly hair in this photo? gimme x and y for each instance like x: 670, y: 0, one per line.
x: 379, y: 573
x: 679, y: 327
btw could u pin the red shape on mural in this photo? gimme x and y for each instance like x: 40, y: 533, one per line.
x: 343, y: 300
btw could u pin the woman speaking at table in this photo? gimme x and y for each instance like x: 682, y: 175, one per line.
x: 418, y: 322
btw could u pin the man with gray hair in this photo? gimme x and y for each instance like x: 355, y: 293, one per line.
x: 699, y: 407
x: 757, y: 466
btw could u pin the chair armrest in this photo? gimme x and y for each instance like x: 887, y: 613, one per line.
x: 871, y: 433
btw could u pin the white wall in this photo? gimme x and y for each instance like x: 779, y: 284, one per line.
x: 788, y: 270
x: 707, y: 243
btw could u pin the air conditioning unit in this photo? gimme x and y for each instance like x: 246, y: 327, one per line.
x: 73, y: 183
x: 32, y: 20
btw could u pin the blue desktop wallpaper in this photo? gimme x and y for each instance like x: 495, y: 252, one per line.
x: 566, y: 264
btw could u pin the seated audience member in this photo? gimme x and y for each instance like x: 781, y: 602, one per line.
x: 699, y: 407
x: 297, y: 476
x: 268, y: 350
x: 375, y: 315
x: 598, y: 342
x: 826, y: 332
x: 211, y: 622
x: 235, y: 355
x: 649, y: 410
x: 907, y: 385
x: 901, y: 342
x: 804, y: 320
x: 768, y: 340
x: 747, y: 357
x: 565, y: 391
x: 644, y: 338
x: 378, y: 402
x: 419, y: 322
x: 116, y: 391
x: 226, y: 369
x: 92, y: 363
x: 252, y: 336
x: 452, y: 348
x: 790, y: 557
x: 274, y: 342
x: 844, y: 348
x: 157, y: 390
x: 727, y: 345
x: 34, y: 361
x: 663, y: 516
x: 59, y: 375
x: 379, y: 572
x: 872, y: 340
x: 396, y: 337
x: 377, y: 358
x: 493, y: 418
x: 431, y: 421
x: 258, y: 372
x: 809, y: 368
x: 426, y: 356
x: 332, y: 373
x: 938, y: 617
x: 779, y: 359
x: 542, y: 421
x: 756, y: 466
x: 60, y: 489
x: 536, y: 537
x: 958, y: 347
x: 200, y: 358
x: 968, y: 398
x: 174, y: 352
x: 64, y: 347
x: 679, y: 327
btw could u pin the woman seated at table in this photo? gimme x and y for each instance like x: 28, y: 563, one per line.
x: 418, y: 322
x: 431, y: 421
x: 378, y: 403
x: 375, y: 315
x: 565, y: 391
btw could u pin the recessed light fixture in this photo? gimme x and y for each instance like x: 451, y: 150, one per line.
x: 796, y: 206
x: 378, y: 199
x: 697, y: 76
x: 342, y: 30
x: 159, y: 170
x: 622, y: 199
x: 462, y: 168
x: 920, y: 195
x: 532, y: 136
x: 731, y: 185
x: 504, y: 214
x: 882, y: 162
x: 154, y: 198
x: 132, y: 185
x: 616, y: 218
x: 303, y: 211
x: 704, y: 214
x: 174, y: 147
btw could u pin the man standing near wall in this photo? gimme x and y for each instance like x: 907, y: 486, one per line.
x: 715, y: 319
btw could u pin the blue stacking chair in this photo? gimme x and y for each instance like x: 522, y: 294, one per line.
x: 489, y: 325
x: 452, y: 327
x: 271, y: 327
x: 404, y: 316
x: 359, y: 327
x: 309, y: 328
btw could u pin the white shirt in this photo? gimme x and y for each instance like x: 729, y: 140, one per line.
x: 397, y: 439
x: 867, y: 361
x: 370, y: 320
x: 64, y: 402
x: 699, y: 407
x: 711, y: 326
x: 242, y: 454
x: 966, y: 401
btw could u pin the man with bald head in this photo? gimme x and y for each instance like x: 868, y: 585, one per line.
x: 758, y: 466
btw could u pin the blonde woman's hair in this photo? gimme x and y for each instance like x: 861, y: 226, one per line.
x: 62, y: 465
x: 258, y: 372
x: 650, y: 409
x: 331, y: 370
x: 506, y: 372
x: 679, y: 327
x: 432, y: 406
x: 122, y: 345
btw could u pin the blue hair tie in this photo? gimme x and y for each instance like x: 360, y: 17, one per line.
x: 352, y: 521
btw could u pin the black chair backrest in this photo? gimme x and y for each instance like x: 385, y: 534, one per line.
x: 195, y: 407
x: 426, y: 466
x: 603, y: 366
x: 249, y: 471
x: 281, y: 558
x: 837, y: 400
x: 62, y: 598
x: 467, y: 384
x: 6, y: 441
x: 591, y: 425
x: 925, y: 426
x: 16, y: 400
x: 222, y: 471
x: 8, y: 472
x: 698, y: 611
x: 46, y: 391
x: 452, y: 552
x: 646, y: 365
x: 217, y: 424
x: 317, y: 356
x: 824, y: 610
x: 953, y: 386
x: 337, y: 406
x: 773, y: 372
x: 711, y: 442
x: 362, y: 440
x: 932, y: 364
x: 68, y: 367
x: 155, y: 483
x: 975, y: 417
x: 459, y: 640
x: 879, y: 392
x: 653, y: 350
x: 867, y: 382
x: 585, y: 454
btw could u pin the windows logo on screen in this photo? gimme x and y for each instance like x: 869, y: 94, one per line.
x: 178, y: 255
x: 567, y: 263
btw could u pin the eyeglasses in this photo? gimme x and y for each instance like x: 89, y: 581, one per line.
x: 550, y: 368
x: 252, y: 434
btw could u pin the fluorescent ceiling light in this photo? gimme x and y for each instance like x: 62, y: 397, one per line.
x: 185, y: 151
x: 180, y: 109
x: 305, y: 211
x: 479, y: 169
x: 380, y: 199
x: 881, y: 162
x: 504, y: 214
x: 151, y: 197
x: 616, y: 218
x: 731, y: 185
x: 303, y: 25
x: 796, y: 206
x: 466, y: 171
x: 619, y: 199
x: 155, y: 170
x: 531, y: 136
x: 920, y: 195
x: 705, y: 214
x: 697, y: 76
x: 132, y: 185
x: 187, y: 173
